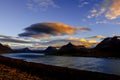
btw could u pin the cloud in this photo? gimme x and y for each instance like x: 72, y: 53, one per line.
x: 83, y: 3
x: 13, y: 40
x: 96, y: 13
x: 107, y: 22
x: 109, y: 9
x: 76, y: 41
x: 20, y: 43
x: 47, y: 29
x: 4, y: 38
x: 41, y: 4
x: 114, y: 10
x: 104, y: 22
x: 100, y: 9
x: 82, y: 40
x: 98, y: 37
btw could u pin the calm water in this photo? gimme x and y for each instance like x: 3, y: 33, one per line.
x: 110, y: 66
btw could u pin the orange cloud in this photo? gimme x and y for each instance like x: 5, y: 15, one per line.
x: 114, y: 10
x: 109, y: 8
x: 92, y: 41
x: 50, y: 28
x: 82, y: 41
x: 98, y: 37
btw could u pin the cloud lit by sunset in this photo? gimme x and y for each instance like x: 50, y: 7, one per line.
x: 47, y: 29
x: 114, y: 10
x: 82, y: 41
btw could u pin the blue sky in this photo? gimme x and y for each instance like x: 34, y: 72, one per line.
x: 101, y: 16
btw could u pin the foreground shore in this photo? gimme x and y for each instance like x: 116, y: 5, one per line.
x: 38, y: 71
x: 8, y: 73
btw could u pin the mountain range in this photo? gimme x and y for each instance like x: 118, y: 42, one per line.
x: 109, y: 47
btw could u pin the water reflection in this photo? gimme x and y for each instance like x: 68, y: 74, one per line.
x: 111, y: 66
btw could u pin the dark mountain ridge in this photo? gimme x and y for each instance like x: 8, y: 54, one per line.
x: 5, y: 49
x: 70, y: 49
x: 109, y: 43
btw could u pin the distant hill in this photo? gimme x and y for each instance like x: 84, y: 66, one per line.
x: 27, y: 50
x: 50, y: 50
x: 23, y: 50
x: 5, y: 49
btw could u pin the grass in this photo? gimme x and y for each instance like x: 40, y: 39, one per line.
x: 8, y: 73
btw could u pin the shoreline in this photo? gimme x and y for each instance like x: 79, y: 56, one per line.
x: 55, y: 72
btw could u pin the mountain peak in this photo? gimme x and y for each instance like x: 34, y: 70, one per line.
x: 69, y: 44
x: 50, y: 49
x: 113, y: 42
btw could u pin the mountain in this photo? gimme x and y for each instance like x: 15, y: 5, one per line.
x: 5, y: 49
x: 23, y: 50
x: 50, y: 49
x: 27, y: 50
x: 70, y: 49
x: 109, y: 46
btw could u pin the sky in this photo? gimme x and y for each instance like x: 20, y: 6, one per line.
x: 39, y: 23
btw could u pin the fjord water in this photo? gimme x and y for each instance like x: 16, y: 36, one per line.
x: 104, y: 65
